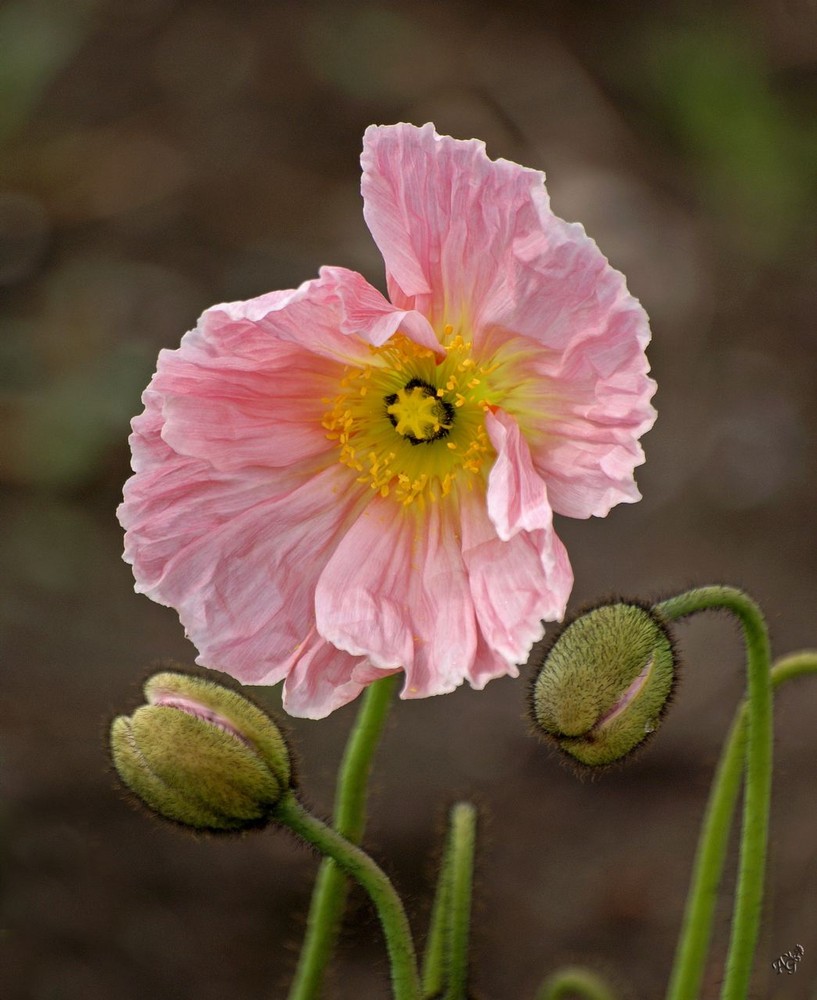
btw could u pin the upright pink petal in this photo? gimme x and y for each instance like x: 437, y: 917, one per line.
x: 395, y: 590
x: 445, y: 218
x: 515, y: 583
x: 517, y: 496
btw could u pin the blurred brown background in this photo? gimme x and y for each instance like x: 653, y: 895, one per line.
x: 157, y: 156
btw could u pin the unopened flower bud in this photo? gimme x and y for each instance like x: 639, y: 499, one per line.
x: 200, y: 754
x: 604, y: 683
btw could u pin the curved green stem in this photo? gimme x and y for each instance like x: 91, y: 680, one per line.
x: 572, y: 982
x: 331, y: 886
x: 757, y: 797
x: 794, y: 665
x: 690, y: 956
x: 359, y: 866
x: 445, y: 960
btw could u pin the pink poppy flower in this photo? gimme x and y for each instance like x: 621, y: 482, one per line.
x: 329, y: 487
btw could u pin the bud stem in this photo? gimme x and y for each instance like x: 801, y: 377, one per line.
x: 445, y: 960
x: 757, y: 796
x: 331, y: 887
x: 359, y: 866
x: 690, y: 955
x: 572, y: 982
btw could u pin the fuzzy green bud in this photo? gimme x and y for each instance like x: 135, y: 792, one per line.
x: 604, y: 683
x: 200, y: 754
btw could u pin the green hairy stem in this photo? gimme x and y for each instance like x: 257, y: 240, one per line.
x: 757, y: 796
x: 569, y: 983
x: 690, y: 956
x: 445, y: 961
x: 359, y: 866
x: 331, y: 886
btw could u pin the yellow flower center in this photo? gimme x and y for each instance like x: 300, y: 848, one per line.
x: 418, y: 413
x: 409, y: 423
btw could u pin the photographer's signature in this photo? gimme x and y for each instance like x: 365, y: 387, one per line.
x: 788, y: 961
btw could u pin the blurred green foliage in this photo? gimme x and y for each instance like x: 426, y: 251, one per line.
x: 37, y: 39
x: 754, y: 156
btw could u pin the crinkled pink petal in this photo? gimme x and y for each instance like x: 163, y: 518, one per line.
x: 489, y: 664
x: 237, y: 555
x: 249, y: 335
x: 583, y: 411
x: 172, y: 498
x: 337, y: 316
x: 323, y: 678
x: 236, y: 418
x: 395, y: 590
x: 514, y: 583
x: 558, y: 288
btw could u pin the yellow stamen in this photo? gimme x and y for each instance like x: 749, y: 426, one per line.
x: 391, y: 417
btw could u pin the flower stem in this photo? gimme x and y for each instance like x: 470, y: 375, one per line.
x: 434, y: 953
x: 462, y: 840
x: 570, y: 982
x: 690, y: 954
x: 331, y: 886
x: 445, y: 960
x: 794, y: 665
x: 696, y: 932
x: 359, y: 866
x: 757, y: 797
